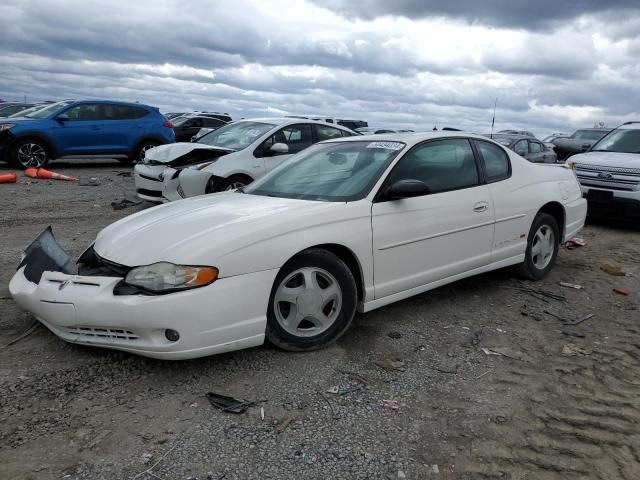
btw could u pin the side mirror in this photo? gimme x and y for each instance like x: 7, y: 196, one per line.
x: 63, y: 117
x: 279, y: 148
x: 407, y: 189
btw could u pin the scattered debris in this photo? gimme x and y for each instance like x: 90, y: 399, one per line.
x: 571, y: 285
x: 477, y: 336
x: 613, y: 270
x: 391, y: 364
x: 435, y: 469
x: 505, y: 352
x: 88, y: 182
x: 539, y: 294
x: 420, y: 348
x: 391, y: 405
x: 228, y: 404
x: 68, y: 472
x: 574, y: 243
x: 621, y: 291
x: 579, y: 320
x: 573, y: 334
x: 490, y: 352
x: 394, y: 335
x: 501, y: 419
x: 262, y: 413
x: 8, y: 177
x: 283, y: 424
x: 300, y: 454
x: 499, y: 330
x: 334, y: 390
x: 482, y: 375
x: 555, y: 315
x: 23, y: 335
x: 125, y: 203
x: 124, y: 174
x: 146, y: 457
x: 571, y: 349
x: 525, y: 312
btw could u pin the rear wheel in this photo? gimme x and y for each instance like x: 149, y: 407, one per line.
x: 313, y: 301
x: 139, y: 153
x: 542, y: 248
x: 30, y: 153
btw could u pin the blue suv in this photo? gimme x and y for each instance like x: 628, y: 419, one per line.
x: 82, y: 129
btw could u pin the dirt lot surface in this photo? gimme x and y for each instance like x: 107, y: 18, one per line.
x: 553, y: 402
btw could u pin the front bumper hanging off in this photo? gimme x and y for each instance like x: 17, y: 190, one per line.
x: 84, y: 309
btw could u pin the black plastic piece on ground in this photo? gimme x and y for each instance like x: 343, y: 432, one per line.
x: 228, y: 404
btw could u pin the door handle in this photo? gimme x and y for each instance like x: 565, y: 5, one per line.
x: 480, y: 207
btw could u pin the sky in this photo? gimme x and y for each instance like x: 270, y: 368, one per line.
x: 552, y: 65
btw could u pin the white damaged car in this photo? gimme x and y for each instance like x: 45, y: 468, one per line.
x: 227, y: 158
x: 349, y: 224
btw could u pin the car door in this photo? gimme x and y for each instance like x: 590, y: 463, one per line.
x: 420, y: 240
x: 521, y: 147
x: 296, y: 137
x: 510, y: 200
x: 123, y: 127
x: 83, y: 131
x: 537, y: 152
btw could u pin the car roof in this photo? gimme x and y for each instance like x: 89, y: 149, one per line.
x: 113, y: 102
x: 290, y: 121
x: 625, y: 126
x: 409, y: 138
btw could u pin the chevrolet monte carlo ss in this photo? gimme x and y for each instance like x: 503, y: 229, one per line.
x: 348, y: 224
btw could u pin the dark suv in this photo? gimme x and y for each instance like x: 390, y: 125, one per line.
x: 81, y: 129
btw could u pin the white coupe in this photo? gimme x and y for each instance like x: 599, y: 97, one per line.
x: 348, y: 224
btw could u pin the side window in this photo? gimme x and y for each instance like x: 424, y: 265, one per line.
x: 442, y: 165
x: 296, y: 137
x: 535, y: 147
x: 496, y: 161
x: 344, y: 133
x: 85, y: 112
x: 521, y: 148
x: 194, y: 123
x: 325, y: 133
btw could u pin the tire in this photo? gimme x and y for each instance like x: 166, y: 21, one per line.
x: 29, y: 152
x: 539, y: 261
x: 138, y: 153
x: 325, y: 296
x: 234, y: 182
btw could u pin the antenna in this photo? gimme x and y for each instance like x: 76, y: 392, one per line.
x: 493, y: 121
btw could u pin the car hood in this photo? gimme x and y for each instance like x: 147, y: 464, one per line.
x: 608, y: 159
x: 206, y: 229
x: 173, y: 153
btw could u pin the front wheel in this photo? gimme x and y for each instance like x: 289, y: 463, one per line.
x: 313, y: 301
x: 543, y: 244
x: 30, y: 153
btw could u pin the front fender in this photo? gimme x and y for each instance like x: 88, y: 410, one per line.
x: 192, y: 182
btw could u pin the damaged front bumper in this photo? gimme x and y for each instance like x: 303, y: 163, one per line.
x: 149, y: 182
x: 84, y: 309
x: 184, y: 183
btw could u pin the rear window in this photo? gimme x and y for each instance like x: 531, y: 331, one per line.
x: 496, y: 161
x: 123, y: 112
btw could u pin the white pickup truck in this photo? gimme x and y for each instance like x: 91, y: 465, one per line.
x: 609, y: 173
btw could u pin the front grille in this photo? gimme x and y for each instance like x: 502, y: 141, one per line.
x: 96, y: 332
x: 150, y: 193
x: 606, y: 169
x: 149, y: 178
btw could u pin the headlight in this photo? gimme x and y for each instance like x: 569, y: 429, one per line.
x: 167, y: 277
x: 7, y: 126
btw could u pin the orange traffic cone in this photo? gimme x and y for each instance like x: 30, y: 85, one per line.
x: 31, y: 172
x: 46, y: 174
x: 8, y: 178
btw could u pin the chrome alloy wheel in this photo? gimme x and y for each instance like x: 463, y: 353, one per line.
x: 235, y: 185
x: 31, y: 155
x: 543, y: 247
x: 143, y: 151
x: 307, y: 301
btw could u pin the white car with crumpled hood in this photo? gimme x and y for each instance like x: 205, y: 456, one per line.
x: 348, y: 224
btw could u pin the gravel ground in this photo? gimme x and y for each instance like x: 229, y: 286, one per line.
x: 528, y: 412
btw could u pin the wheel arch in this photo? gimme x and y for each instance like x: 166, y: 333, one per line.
x: 347, y: 256
x: 154, y: 138
x: 556, y: 210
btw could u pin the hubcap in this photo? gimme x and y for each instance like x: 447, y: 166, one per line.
x: 235, y: 185
x: 31, y: 155
x: 307, y: 302
x: 543, y: 247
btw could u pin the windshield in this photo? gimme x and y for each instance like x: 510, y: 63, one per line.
x: 622, y: 141
x: 11, y: 109
x: 48, y: 110
x: 236, y: 136
x: 588, y: 134
x: 24, y: 113
x: 333, y: 172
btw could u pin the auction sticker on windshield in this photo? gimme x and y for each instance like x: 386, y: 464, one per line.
x: 386, y: 145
